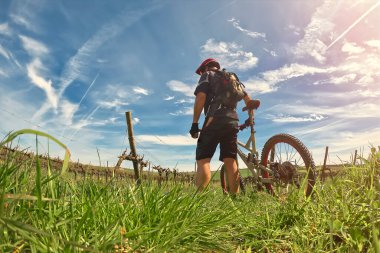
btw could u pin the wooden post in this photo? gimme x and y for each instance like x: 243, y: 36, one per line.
x: 323, y: 174
x: 354, y: 161
x: 325, y: 160
x: 128, y: 116
x: 149, y: 173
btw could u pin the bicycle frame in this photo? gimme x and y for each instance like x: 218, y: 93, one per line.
x: 252, y: 160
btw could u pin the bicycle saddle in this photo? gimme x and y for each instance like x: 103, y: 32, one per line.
x: 252, y: 104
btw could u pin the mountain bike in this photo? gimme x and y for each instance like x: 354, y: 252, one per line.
x: 285, y: 162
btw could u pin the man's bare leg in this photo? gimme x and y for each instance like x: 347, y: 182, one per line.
x: 203, y: 173
x: 232, y: 174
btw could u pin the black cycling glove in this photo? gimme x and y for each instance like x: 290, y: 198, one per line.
x: 194, y: 130
x: 248, y: 122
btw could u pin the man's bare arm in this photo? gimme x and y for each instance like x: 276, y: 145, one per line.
x: 199, y: 103
x: 247, y: 98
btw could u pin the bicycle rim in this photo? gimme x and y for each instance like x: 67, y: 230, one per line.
x: 291, y: 162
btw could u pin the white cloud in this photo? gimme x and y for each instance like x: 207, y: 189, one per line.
x: 342, y: 79
x: 68, y: 110
x: 185, y: 101
x: 140, y: 90
x: 320, y: 25
x: 292, y: 119
x: 2, y: 73
x: 33, y: 47
x: 291, y: 71
x: 352, y: 48
x: 294, y: 29
x: 271, y: 52
x: 116, y: 103
x: 181, y: 87
x: 256, y: 85
x: 22, y: 21
x: 356, y: 110
x: 184, y: 111
x: 169, y: 140
x: 229, y: 55
x: 373, y: 43
x: 366, y: 80
x: 236, y: 24
x: 269, y: 80
x: 4, y: 52
x: 168, y: 98
x: 5, y: 30
x: 136, y: 120
x: 45, y: 85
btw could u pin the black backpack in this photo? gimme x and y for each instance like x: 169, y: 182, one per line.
x: 228, y: 91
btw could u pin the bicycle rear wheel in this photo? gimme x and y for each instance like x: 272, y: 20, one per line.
x: 291, y: 162
x: 224, y: 182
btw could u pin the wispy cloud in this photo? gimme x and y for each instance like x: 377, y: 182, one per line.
x: 271, y: 52
x: 7, y: 54
x: 256, y: 85
x: 140, y: 90
x: 2, y: 73
x: 88, y: 89
x: 33, y: 47
x: 281, y: 118
x: 115, y: 103
x: 4, y: 52
x: 343, y: 79
x: 356, y: 110
x: 5, y: 29
x: 236, y: 24
x: 352, y: 48
x: 178, y: 86
x: 169, y: 140
x: 136, y: 120
x: 320, y: 25
x: 45, y: 85
x: 268, y: 81
x: 230, y: 55
x: 85, y: 121
x: 77, y: 66
x: 22, y: 20
x: 373, y: 43
x: 184, y: 111
x: 168, y: 98
x: 185, y: 101
x: 68, y: 110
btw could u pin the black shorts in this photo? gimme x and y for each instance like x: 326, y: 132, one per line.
x: 221, y: 131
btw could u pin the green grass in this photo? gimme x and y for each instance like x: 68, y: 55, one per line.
x: 40, y: 212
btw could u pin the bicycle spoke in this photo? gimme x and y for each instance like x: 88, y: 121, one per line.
x: 293, y: 154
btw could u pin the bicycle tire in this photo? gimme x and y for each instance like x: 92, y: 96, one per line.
x: 223, y: 181
x: 303, y: 152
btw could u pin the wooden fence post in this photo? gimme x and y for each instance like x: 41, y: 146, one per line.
x: 355, y: 155
x: 323, y: 174
x: 128, y: 116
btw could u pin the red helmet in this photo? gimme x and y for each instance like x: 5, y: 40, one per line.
x: 205, y: 63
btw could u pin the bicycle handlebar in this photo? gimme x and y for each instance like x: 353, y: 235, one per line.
x: 251, y: 105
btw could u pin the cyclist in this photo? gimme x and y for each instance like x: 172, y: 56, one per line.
x: 220, y: 124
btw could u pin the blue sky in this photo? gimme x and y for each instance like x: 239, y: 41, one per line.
x: 73, y: 68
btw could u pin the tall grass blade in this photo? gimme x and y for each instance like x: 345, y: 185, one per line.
x: 13, y: 135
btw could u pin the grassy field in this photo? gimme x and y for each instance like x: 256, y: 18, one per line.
x: 43, y: 212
